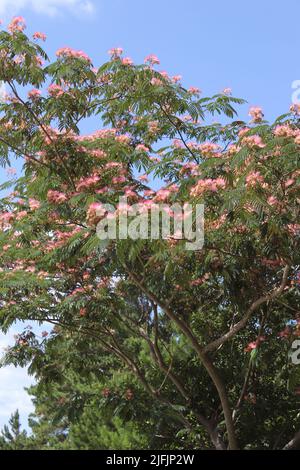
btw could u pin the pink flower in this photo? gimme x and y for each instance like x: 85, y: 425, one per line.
x: 250, y: 346
x: 176, y: 78
x: 273, y: 201
x: 289, y: 182
x: 177, y: 144
x: 68, y: 52
x: 209, y: 149
x: 34, y: 204
x: 55, y: 90
x: 115, y: 52
x: 227, y: 91
x: 123, y: 139
x: 39, y: 35
x: 118, y: 179
x: 256, y: 113
x: 95, y: 213
x: 295, y: 108
x: 284, y: 130
x: 253, y: 179
x: 254, y: 344
x: 151, y: 59
x: 86, y: 183
x: 98, y: 153
x: 144, y: 178
x: 20, y: 215
x: 207, y: 184
x: 162, y: 195
x: 194, y: 90
x: 156, y: 81
x: 34, y: 94
x: 243, y: 131
x: 253, y: 141
x: 127, y: 61
x: 17, y: 24
x: 142, y: 148
x: 56, y: 197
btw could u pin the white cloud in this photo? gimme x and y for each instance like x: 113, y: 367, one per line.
x: 47, y: 7
x: 12, y: 393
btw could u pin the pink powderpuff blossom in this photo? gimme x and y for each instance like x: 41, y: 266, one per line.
x: 156, y: 81
x: 289, y: 182
x: 87, y: 182
x: 151, y: 59
x: 254, y: 178
x: 176, y: 78
x: 39, y: 35
x: 142, y: 148
x: 123, y: 139
x: 295, y: 108
x: 253, y: 141
x: 144, y: 178
x: 34, y: 204
x: 194, y: 90
x: 17, y: 24
x: 127, y: 61
x: 55, y: 90
x: 56, y: 197
x: 34, y: 94
x: 255, y: 112
x: 95, y: 213
x: 273, y: 201
x: 284, y: 130
x: 68, y: 52
x: 115, y: 52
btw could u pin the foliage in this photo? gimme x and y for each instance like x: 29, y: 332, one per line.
x: 189, y: 349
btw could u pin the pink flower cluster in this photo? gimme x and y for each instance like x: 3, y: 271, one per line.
x: 284, y: 130
x: 86, y: 183
x: 142, y: 148
x: 39, y: 35
x: 127, y: 61
x: 256, y: 113
x: 95, y: 213
x: 34, y: 94
x: 69, y: 52
x: 17, y: 24
x: 151, y: 59
x: 164, y: 193
x: 254, y: 344
x: 115, y: 52
x: 6, y: 218
x: 295, y: 109
x: 253, y: 141
x: 209, y: 149
x: 34, y: 204
x: 208, y: 184
x: 194, y: 90
x: 97, y: 153
x: 56, y: 197
x: 55, y: 90
x: 253, y: 179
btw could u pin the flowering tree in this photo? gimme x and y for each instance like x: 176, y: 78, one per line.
x: 226, y: 313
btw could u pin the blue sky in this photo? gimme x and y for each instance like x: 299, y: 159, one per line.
x: 251, y: 47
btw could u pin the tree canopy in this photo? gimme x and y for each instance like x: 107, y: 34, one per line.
x: 151, y: 345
